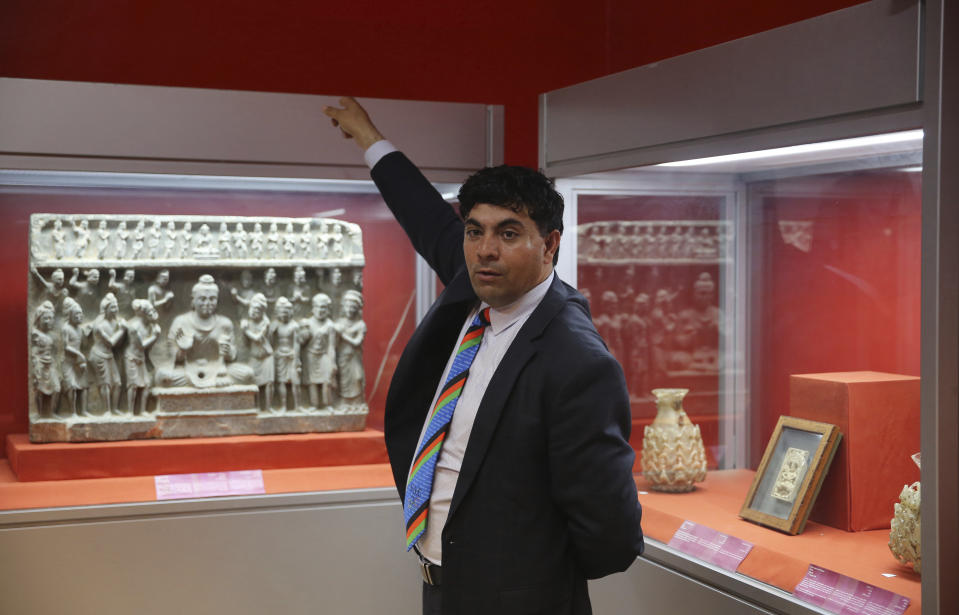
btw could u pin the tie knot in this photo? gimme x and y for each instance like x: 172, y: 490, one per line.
x: 482, y: 318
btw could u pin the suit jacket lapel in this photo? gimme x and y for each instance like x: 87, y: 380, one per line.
x: 501, y: 385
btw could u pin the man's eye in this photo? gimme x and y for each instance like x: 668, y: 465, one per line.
x: 510, y: 235
x: 472, y: 233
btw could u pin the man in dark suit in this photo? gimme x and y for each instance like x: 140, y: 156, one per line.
x: 532, y: 491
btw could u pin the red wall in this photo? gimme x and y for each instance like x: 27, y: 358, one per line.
x: 486, y: 51
x: 852, y: 302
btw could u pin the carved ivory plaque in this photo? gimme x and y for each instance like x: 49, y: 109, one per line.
x: 180, y: 326
x: 790, y: 475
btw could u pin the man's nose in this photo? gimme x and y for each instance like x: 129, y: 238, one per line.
x: 488, y: 248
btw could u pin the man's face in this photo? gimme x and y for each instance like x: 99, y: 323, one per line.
x: 505, y: 253
x: 57, y: 277
x: 204, y: 301
x: 128, y: 276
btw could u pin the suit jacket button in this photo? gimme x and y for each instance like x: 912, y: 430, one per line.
x: 451, y: 541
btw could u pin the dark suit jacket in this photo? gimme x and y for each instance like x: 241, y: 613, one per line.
x: 545, y: 497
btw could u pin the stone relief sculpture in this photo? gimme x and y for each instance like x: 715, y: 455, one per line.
x: 144, y: 314
x: 142, y: 332
x: 256, y: 330
x: 74, y: 365
x: 159, y: 293
x: 46, y: 381
x: 319, y: 335
x: 107, y: 333
x: 103, y: 240
x: 123, y: 290
x: 285, y: 336
x: 299, y: 292
x: 655, y: 299
x: 349, y: 351
x: 205, y: 345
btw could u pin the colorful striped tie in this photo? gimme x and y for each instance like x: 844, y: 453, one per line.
x: 419, y: 485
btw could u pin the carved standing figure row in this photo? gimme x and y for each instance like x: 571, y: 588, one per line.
x: 204, y: 342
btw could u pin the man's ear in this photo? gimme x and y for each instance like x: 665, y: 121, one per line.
x: 552, y: 244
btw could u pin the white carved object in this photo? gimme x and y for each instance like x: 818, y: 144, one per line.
x: 790, y: 475
x: 673, y: 455
x: 905, y: 527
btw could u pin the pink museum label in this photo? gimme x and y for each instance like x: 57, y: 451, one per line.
x: 844, y: 595
x: 709, y: 545
x: 209, y: 484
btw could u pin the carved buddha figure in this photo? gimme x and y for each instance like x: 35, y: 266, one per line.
x: 205, y: 344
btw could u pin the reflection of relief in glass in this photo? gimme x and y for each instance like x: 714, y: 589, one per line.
x: 198, y: 345
x: 652, y: 336
x: 790, y: 474
x: 797, y: 233
x: 665, y: 241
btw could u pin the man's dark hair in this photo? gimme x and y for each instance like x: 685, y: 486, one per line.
x: 519, y: 189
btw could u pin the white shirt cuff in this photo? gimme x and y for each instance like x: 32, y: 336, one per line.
x: 375, y: 152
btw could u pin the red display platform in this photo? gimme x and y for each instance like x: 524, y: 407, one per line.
x: 67, y: 461
x: 19, y: 495
x: 777, y: 558
x: 878, y: 415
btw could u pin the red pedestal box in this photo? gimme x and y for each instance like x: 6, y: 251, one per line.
x: 878, y: 415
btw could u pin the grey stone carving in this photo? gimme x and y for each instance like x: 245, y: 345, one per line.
x: 142, y: 332
x: 74, y: 363
x: 46, y: 381
x: 207, y: 324
x: 286, y: 347
x: 319, y: 335
x: 351, y: 331
x: 107, y: 332
x: 256, y: 330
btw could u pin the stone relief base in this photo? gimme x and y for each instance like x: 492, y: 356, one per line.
x: 178, y: 419
x: 104, y: 460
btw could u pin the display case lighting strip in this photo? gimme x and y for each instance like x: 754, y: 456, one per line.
x: 857, y: 143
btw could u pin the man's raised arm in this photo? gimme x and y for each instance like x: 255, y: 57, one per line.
x: 433, y: 227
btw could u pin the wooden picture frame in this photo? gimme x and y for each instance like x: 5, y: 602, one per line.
x: 791, y: 472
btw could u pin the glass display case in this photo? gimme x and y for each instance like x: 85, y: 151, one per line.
x: 726, y: 275
x: 766, y: 227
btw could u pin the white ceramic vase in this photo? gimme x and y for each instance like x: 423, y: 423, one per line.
x: 673, y: 455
